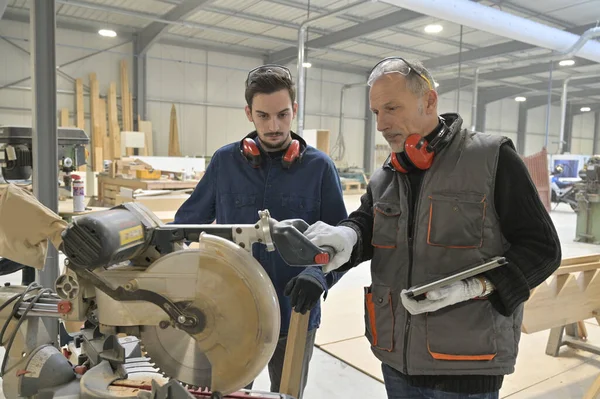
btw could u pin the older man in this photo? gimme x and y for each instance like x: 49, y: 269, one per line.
x: 445, y: 199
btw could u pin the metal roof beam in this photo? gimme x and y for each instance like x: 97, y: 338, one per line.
x: 152, y: 32
x: 537, y: 101
x: 3, y: 4
x: 530, y: 70
x: 67, y: 23
x: 361, y: 29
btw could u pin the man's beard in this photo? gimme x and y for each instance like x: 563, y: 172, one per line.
x: 274, y: 146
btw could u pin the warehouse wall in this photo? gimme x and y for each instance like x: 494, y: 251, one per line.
x: 208, y: 91
x: 583, y: 134
x: 14, y: 65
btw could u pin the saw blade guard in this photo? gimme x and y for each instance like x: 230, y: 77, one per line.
x: 236, y: 303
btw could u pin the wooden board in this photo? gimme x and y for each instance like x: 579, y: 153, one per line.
x: 146, y: 127
x: 570, y: 295
x: 64, y: 117
x: 79, y: 106
x: 113, y: 122
x: 97, y: 139
x: 174, y: 149
x: 102, y: 129
x: 109, y: 187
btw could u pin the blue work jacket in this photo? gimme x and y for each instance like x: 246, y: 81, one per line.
x: 232, y: 192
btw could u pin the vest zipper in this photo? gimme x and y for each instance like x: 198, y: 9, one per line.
x: 411, y: 235
x: 410, y: 256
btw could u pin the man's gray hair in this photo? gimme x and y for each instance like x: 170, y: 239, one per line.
x: 415, y: 83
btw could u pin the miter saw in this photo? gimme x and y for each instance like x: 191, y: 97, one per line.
x: 160, y: 320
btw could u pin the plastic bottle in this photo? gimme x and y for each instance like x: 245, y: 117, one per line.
x: 78, y: 194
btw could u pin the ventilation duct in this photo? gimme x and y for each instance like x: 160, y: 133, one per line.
x: 500, y: 23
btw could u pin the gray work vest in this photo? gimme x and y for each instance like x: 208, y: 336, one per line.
x: 456, y: 227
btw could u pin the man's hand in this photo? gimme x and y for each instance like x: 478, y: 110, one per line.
x: 445, y: 296
x: 304, y: 292
x: 341, y: 238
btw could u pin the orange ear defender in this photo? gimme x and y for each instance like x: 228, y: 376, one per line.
x: 418, y: 152
x: 251, y: 152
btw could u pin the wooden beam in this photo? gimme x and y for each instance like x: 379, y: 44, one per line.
x: 106, y: 147
x: 97, y: 141
x: 113, y: 122
x: 174, y: 149
x: 79, y: 107
x: 291, y: 373
x: 64, y: 117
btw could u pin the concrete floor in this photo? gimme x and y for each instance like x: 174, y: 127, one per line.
x: 537, y: 375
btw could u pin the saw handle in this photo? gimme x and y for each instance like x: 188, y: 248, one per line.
x: 293, y: 246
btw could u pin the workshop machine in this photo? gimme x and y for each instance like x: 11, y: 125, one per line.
x: 160, y: 320
x: 588, y: 202
x: 16, y: 154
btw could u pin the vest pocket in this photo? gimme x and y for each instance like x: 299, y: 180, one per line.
x: 379, y: 317
x: 456, y: 220
x: 463, y: 332
x: 385, y: 225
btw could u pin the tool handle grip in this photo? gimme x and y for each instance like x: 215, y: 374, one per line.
x: 295, y: 248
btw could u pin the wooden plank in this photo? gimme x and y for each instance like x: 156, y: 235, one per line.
x: 146, y: 127
x: 113, y: 122
x: 97, y: 140
x: 124, y: 91
x: 580, y: 259
x: 106, y: 147
x: 64, y: 117
x: 174, y: 149
x: 291, y: 374
x: 79, y: 106
x: 584, y: 267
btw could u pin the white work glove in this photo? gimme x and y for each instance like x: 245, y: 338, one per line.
x: 341, y: 238
x: 449, y: 295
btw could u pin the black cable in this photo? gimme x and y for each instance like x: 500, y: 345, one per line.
x: 19, y: 300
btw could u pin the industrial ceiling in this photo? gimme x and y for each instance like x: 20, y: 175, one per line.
x: 355, y: 39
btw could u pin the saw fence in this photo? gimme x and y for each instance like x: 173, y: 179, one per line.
x: 562, y: 303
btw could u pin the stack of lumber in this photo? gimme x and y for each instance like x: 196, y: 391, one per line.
x: 351, y: 186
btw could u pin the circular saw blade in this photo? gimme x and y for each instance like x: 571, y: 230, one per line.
x: 241, y: 312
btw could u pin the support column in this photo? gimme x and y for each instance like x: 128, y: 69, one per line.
x: 44, y: 135
x: 369, y: 145
x: 481, y: 111
x: 3, y: 4
x: 139, y: 81
x: 568, y: 129
x: 522, y: 128
x: 596, y: 132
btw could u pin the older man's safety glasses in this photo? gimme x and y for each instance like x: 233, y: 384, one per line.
x: 395, y: 65
x: 268, y: 68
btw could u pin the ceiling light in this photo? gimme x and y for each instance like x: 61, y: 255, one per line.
x: 585, y: 109
x: 566, y: 62
x: 520, y: 99
x: 107, y: 33
x: 434, y: 28
x: 306, y: 64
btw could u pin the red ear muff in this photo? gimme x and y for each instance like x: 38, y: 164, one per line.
x: 291, y: 154
x: 251, y: 152
x: 398, y: 163
x: 415, y: 148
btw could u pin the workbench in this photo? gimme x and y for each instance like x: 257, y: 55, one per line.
x: 109, y: 187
